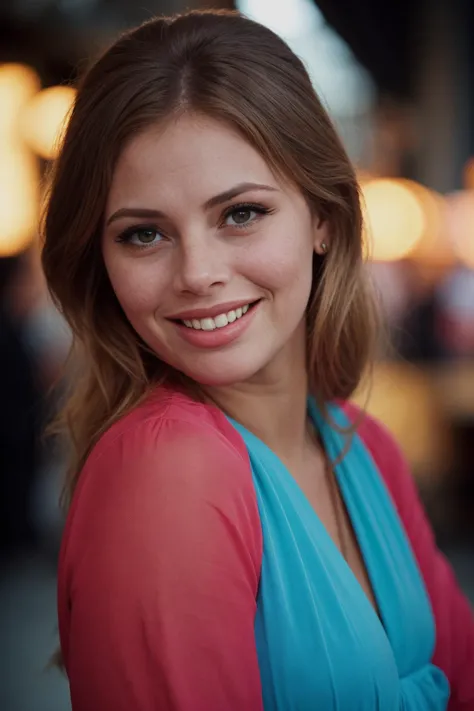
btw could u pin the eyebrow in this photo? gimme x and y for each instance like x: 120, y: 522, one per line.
x: 234, y: 192
x: 219, y: 199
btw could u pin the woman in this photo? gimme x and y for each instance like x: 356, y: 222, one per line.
x: 230, y: 545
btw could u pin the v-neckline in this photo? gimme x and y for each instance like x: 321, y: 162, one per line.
x: 351, y: 513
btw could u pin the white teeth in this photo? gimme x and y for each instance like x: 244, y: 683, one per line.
x: 207, y: 324
x: 221, y: 321
x: 210, y: 324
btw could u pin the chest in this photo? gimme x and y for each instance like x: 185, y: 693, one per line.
x: 319, y: 485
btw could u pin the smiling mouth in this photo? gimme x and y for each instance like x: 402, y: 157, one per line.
x: 219, y: 321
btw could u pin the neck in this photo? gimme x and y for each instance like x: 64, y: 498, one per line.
x: 273, y: 404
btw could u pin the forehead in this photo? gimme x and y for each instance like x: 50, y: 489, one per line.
x: 197, y: 154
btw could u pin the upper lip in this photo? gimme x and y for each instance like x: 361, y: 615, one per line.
x: 210, y: 311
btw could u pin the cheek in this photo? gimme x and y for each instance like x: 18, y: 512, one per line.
x: 282, y: 263
x: 136, y: 285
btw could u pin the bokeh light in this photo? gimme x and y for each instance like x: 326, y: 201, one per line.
x: 19, y: 199
x: 18, y: 84
x: 434, y: 248
x: 45, y: 118
x: 19, y: 173
x: 395, y: 218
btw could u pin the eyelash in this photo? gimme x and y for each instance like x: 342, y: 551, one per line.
x: 126, y: 236
x: 240, y: 207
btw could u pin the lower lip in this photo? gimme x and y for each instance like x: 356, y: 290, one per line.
x: 219, y: 337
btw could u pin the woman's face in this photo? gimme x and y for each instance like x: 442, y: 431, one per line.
x: 210, y: 255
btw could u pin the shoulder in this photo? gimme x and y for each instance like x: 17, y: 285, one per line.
x: 169, y: 460
x: 164, y: 503
x: 169, y: 418
x: 168, y: 448
x: 171, y: 434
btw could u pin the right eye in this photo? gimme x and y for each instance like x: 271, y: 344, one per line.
x: 141, y: 237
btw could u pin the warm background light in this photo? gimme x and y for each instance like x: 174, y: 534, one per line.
x: 45, y: 118
x: 18, y: 84
x: 460, y: 225
x: 19, y: 198
x: 19, y: 173
x: 402, y: 396
x: 395, y: 218
x: 434, y: 248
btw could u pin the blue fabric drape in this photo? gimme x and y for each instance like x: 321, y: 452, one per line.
x: 320, y: 643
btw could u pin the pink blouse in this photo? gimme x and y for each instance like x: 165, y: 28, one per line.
x: 160, y: 566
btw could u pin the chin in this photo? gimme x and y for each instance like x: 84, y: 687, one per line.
x: 219, y: 375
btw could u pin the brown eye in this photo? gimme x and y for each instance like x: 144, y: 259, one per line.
x: 146, y: 236
x: 240, y: 216
x: 141, y: 237
x: 244, y: 215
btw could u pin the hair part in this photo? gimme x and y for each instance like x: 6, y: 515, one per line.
x: 225, y: 66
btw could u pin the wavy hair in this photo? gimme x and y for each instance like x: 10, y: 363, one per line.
x: 232, y: 69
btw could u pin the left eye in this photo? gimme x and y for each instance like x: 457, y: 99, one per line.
x: 143, y: 237
x: 240, y: 216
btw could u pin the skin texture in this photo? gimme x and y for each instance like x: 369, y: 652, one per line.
x: 200, y: 256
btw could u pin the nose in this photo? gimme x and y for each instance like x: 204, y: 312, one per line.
x: 202, y: 265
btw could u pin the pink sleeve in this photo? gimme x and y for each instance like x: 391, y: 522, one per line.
x: 454, y: 652
x: 159, y: 573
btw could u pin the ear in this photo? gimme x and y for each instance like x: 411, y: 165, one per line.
x: 321, y: 236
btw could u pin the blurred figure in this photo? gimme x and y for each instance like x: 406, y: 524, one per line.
x: 20, y: 416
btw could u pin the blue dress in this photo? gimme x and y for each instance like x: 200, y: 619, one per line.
x: 320, y: 643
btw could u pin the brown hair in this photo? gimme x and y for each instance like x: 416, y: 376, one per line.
x: 228, y: 67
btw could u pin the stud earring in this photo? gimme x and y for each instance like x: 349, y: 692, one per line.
x: 324, y: 247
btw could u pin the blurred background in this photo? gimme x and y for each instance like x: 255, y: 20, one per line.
x: 398, y: 79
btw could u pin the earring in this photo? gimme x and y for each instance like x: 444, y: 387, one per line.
x: 324, y: 247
